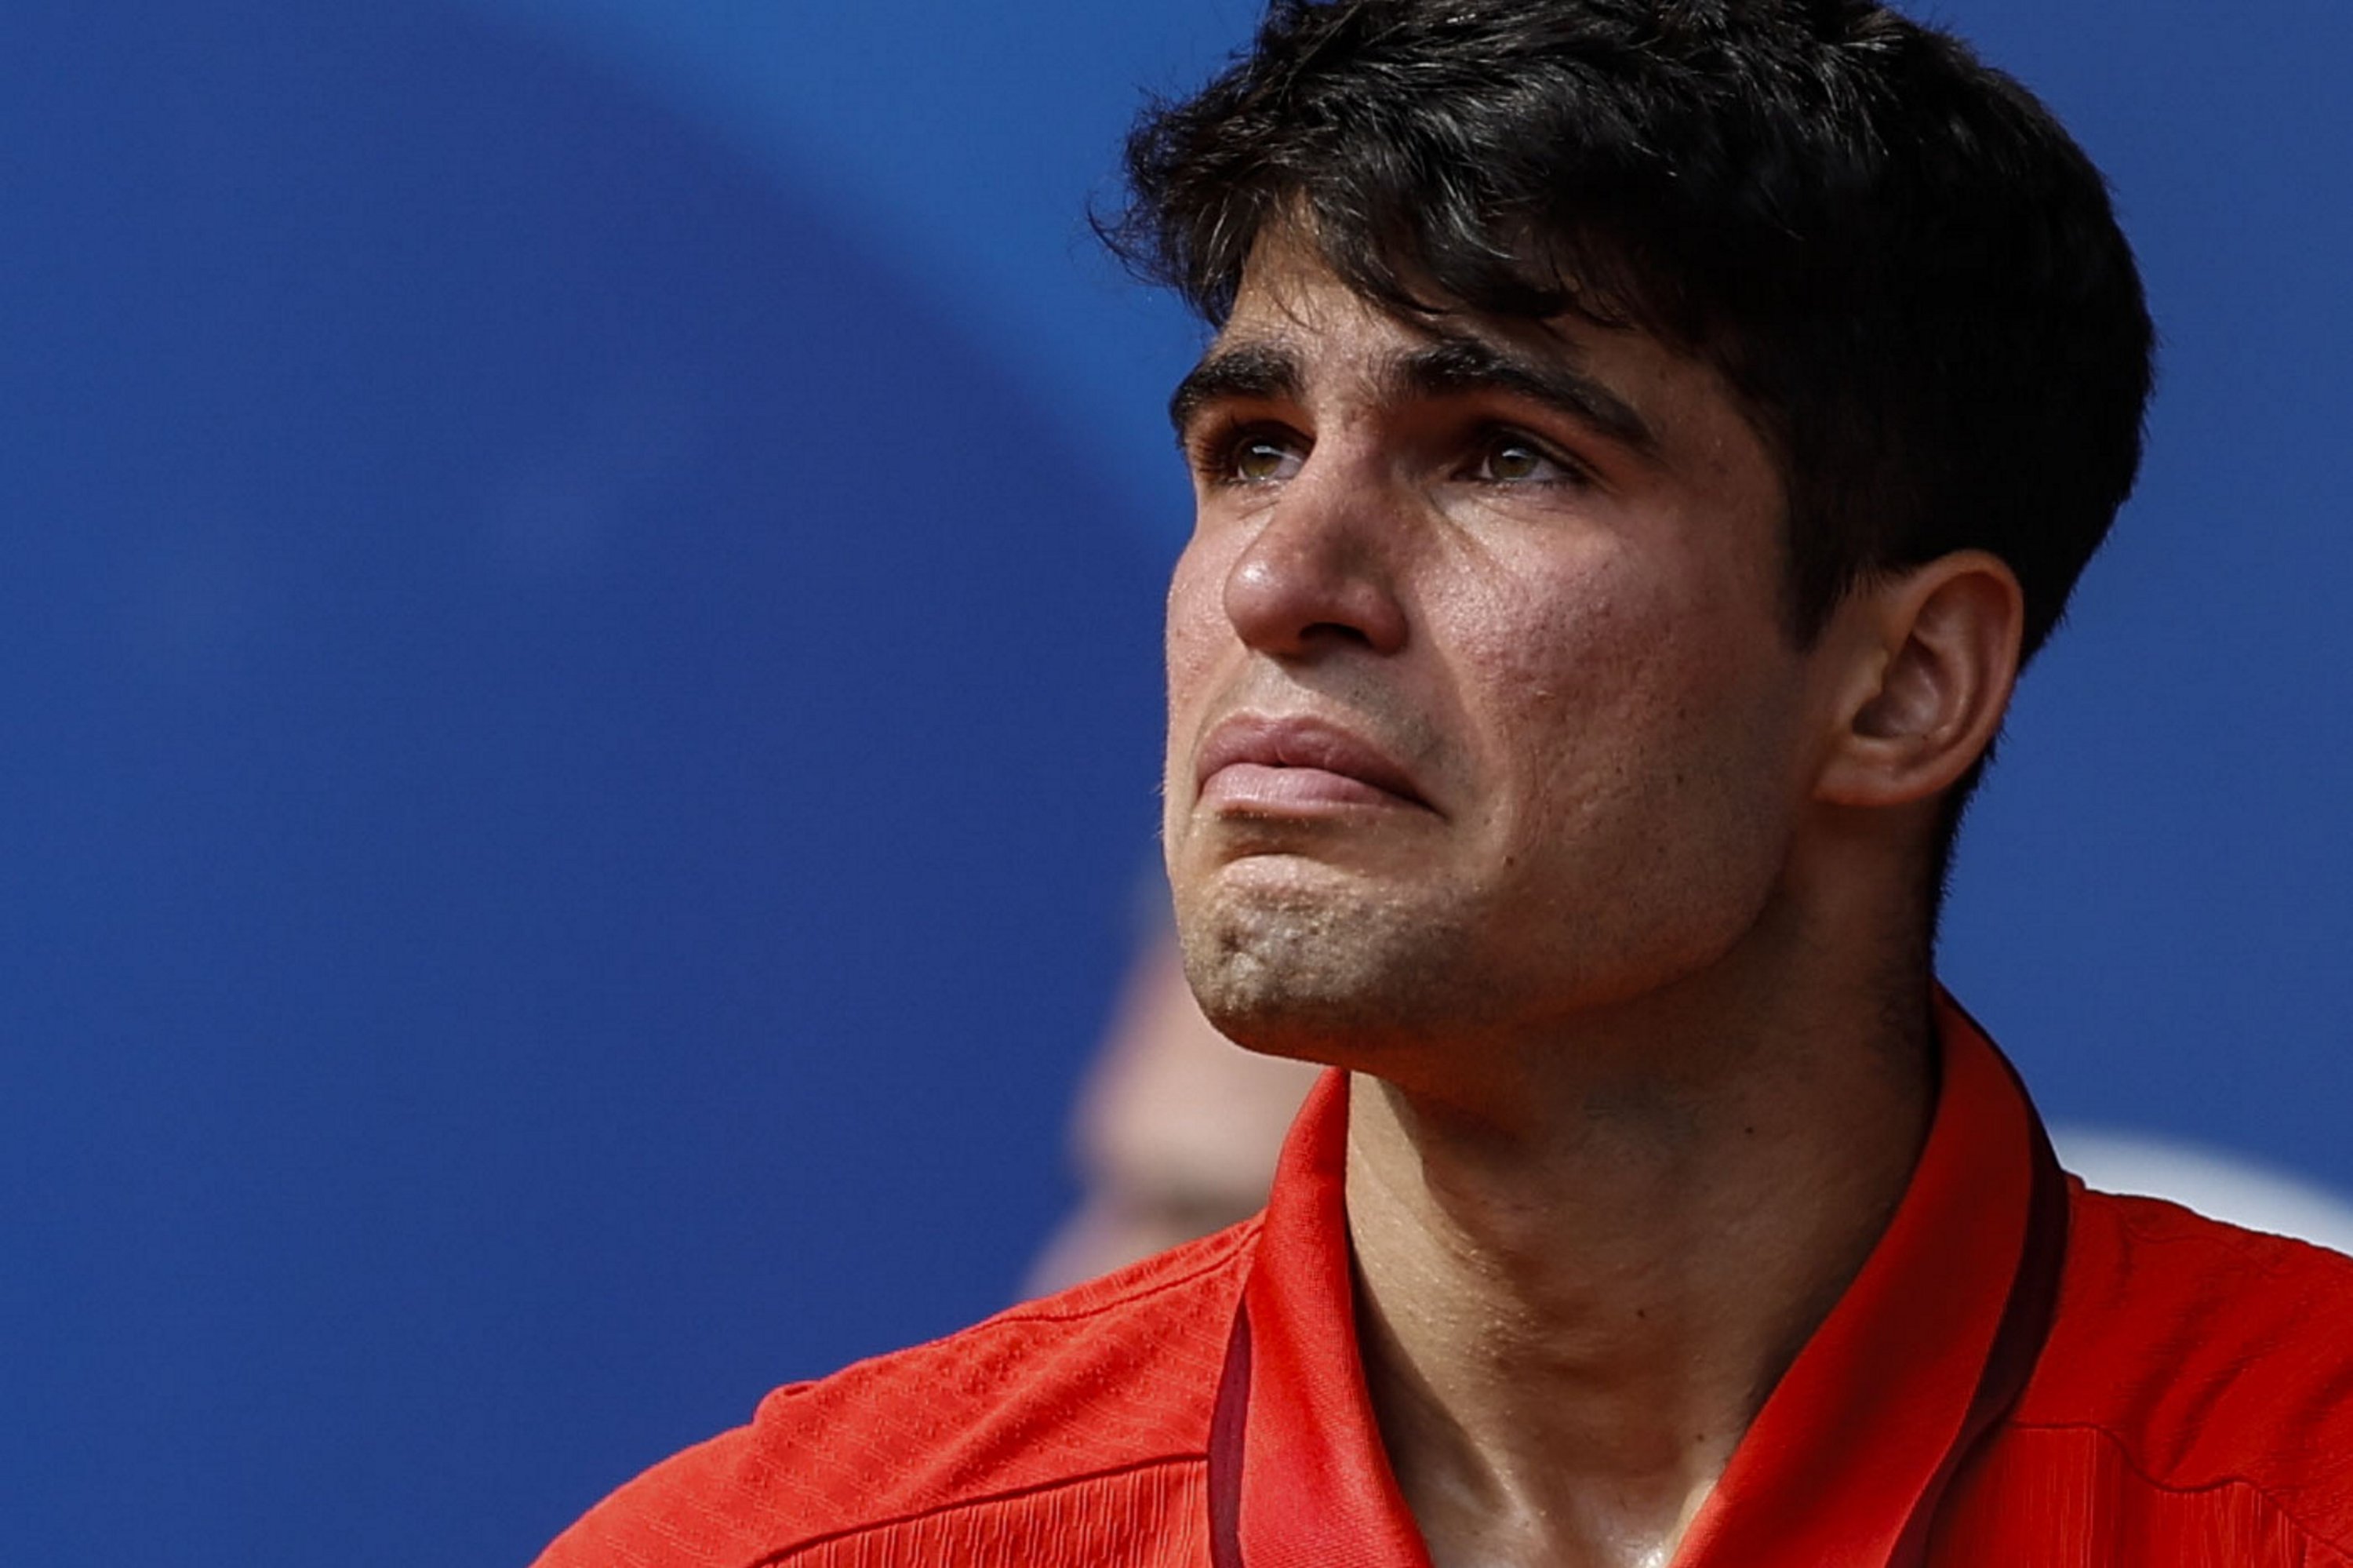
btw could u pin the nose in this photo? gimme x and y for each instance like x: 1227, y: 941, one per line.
x: 1320, y: 573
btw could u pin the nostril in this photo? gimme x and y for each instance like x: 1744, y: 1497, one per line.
x: 1314, y: 577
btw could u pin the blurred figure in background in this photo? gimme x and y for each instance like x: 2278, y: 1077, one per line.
x: 1176, y: 1128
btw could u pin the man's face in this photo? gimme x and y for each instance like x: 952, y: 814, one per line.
x: 1481, y: 708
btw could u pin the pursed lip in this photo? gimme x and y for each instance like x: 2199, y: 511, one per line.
x: 1308, y: 747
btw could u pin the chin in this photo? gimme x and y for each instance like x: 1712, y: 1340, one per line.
x: 1341, y: 981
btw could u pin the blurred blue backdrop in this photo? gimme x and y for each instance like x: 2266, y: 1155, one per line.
x: 580, y: 606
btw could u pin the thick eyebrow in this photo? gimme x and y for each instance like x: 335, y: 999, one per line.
x: 1450, y: 366
x: 1457, y: 365
x: 1254, y: 372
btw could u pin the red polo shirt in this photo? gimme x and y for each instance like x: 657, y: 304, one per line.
x: 2025, y: 1375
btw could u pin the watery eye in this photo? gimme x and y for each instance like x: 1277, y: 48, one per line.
x: 1510, y: 462
x: 1258, y: 459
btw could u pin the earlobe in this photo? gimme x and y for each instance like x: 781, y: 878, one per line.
x: 1935, y: 651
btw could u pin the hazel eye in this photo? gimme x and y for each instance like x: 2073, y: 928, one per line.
x: 1259, y: 459
x: 1512, y: 460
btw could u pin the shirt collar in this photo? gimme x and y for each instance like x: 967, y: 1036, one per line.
x: 1850, y: 1456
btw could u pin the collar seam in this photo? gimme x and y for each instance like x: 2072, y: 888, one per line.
x: 1234, y: 1255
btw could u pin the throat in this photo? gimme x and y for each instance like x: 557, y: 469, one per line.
x: 1525, y: 1462
x: 1566, y: 1338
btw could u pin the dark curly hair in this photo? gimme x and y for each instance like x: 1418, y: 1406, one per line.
x: 1902, y: 264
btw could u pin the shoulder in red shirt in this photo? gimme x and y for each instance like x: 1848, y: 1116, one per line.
x: 1069, y: 1431
x: 2192, y: 1405
x: 2024, y: 1373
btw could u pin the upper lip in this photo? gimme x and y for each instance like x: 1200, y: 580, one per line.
x: 1300, y: 741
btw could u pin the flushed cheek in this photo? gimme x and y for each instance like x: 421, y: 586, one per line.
x: 1191, y: 645
x: 1598, y: 695
x: 1197, y: 625
x: 1538, y: 651
x: 1199, y: 640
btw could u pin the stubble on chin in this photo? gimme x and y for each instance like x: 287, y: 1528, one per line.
x: 1309, y: 973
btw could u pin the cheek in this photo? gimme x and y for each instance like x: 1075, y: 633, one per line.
x: 1620, y: 689
x: 1196, y: 628
x: 1556, y: 646
x: 1201, y: 649
x: 1637, y: 818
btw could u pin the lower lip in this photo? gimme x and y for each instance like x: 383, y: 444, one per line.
x: 1255, y: 787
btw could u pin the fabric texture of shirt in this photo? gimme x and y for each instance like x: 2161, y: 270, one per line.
x: 2024, y: 1373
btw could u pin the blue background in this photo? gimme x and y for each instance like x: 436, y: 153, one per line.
x: 579, y: 617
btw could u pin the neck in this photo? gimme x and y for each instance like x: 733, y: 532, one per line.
x: 1574, y: 1302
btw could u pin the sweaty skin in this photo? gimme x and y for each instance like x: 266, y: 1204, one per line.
x: 1496, y: 777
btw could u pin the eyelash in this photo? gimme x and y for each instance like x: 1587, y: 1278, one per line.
x: 1495, y: 438
x: 1214, y: 450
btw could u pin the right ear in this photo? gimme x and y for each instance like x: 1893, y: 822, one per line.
x: 1937, y: 657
